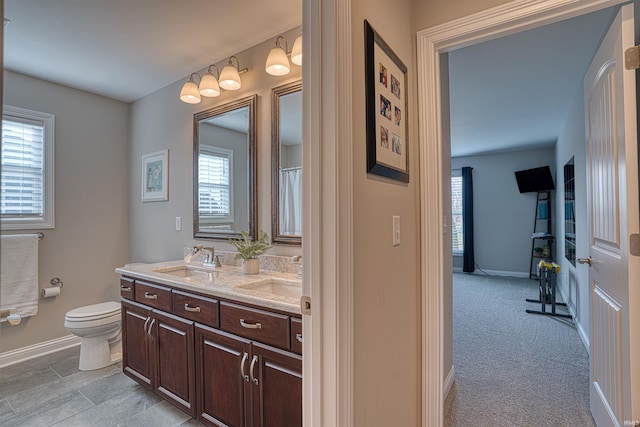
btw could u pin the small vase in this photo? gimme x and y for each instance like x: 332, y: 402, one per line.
x: 251, y: 266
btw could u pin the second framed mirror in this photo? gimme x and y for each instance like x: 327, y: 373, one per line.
x: 286, y: 173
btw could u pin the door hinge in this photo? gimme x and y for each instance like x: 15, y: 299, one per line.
x: 305, y: 305
x: 632, y: 58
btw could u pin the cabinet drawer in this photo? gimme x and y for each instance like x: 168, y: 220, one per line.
x: 263, y: 326
x: 126, y: 288
x: 296, y: 335
x: 153, y: 295
x: 194, y: 307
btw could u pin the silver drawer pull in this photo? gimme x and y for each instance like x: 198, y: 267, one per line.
x: 147, y: 295
x: 187, y: 307
x: 125, y: 288
x: 253, y: 364
x: 299, y: 337
x: 250, y: 325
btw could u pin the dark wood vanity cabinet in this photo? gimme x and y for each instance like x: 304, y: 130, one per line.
x: 157, y: 351
x: 222, y: 362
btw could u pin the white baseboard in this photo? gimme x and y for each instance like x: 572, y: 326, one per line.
x: 36, y: 350
x: 519, y: 274
x: 581, y: 333
x: 448, y: 382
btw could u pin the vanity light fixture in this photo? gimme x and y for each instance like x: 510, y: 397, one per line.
x: 296, y: 51
x: 190, y: 93
x: 277, y: 61
x: 230, y: 75
x: 209, y: 83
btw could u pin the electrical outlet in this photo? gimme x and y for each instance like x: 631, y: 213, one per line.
x: 178, y: 223
x: 396, y: 230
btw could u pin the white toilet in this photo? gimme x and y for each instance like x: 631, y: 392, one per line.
x: 99, y: 327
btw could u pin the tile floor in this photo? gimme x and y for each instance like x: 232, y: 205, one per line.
x: 52, y: 391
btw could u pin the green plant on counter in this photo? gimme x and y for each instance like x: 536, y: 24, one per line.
x: 248, y: 248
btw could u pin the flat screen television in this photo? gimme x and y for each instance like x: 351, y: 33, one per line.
x: 534, y: 180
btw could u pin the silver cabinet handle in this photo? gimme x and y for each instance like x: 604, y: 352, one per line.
x: 151, y: 325
x: 253, y: 364
x: 245, y: 356
x: 187, y: 307
x: 144, y: 328
x: 125, y: 288
x: 299, y: 337
x: 586, y: 261
x: 250, y: 325
x: 147, y: 295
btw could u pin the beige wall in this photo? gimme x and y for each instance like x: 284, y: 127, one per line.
x: 429, y: 13
x: 386, y: 279
x: 161, y: 121
x: 91, y: 233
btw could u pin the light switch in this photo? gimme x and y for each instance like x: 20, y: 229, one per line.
x: 396, y: 230
x: 178, y: 223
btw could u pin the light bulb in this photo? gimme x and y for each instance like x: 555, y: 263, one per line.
x: 277, y: 62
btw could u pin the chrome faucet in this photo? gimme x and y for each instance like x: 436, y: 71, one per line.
x: 195, y: 251
x: 298, y: 258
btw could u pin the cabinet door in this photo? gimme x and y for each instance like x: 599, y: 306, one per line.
x: 277, y: 396
x: 137, y: 348
x: 174, y: 374
x: 222, y: 378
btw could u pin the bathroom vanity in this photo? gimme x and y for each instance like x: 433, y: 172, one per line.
x: 224, y: 347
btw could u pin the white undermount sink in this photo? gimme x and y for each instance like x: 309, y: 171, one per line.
x: 275, y: 287
x: 181, y: 271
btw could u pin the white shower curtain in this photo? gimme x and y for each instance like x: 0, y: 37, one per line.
x: 291, y: 201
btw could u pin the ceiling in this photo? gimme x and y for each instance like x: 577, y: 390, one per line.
x: 509, y: 93
x: 515, y: 92
x: 127, y: 49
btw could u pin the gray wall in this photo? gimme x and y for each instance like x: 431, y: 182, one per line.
x: 161, y: 121
x: 503, y: 217
x: 91, y: 233
x: 573, y: 281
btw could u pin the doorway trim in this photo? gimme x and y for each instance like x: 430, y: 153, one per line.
x: 500, y: 21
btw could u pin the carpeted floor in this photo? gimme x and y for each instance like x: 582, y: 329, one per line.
x: 513, y: 368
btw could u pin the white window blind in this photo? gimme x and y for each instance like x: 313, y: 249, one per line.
x: 456, y: 211
x: 26, y: 181
x: 214, y: 184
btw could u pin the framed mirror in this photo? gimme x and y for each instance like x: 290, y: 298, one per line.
x: 224, y: 170
x: 286, y: 161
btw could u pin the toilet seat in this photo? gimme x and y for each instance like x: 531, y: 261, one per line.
x: 93, y: 312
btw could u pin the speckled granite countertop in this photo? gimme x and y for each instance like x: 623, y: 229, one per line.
x: 224, y: 282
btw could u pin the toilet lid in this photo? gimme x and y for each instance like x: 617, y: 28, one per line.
x: 94, y: 311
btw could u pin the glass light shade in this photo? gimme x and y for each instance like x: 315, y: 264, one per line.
x: 230, y: 78
x: 209, y: 85
x: 277, y: 62
x: 296, y: 52
x: 190, y: 93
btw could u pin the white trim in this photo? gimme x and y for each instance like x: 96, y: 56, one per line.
x: 581, y: 333
x: 327, y: 211
x: 501, y: 273
x: 36, y: 350
x: 448, y: 382
x: 492, y: 23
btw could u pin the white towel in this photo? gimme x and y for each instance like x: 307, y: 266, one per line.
x: 19, y: 273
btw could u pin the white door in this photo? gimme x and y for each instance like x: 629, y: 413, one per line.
x: 612, y: 174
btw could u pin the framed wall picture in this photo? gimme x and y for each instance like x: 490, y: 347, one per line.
x: 386, y: 109
x: 155, y: 176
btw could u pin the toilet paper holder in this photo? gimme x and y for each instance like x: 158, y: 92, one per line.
x: 56, y: 282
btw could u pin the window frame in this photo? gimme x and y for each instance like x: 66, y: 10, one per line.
x: 47, y: 220
x: 220, y: 152
x: 456, y: 174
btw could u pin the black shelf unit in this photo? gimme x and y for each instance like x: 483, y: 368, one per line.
x: 542, y: 237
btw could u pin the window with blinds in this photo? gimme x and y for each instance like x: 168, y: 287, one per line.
x: 26, y: 181
x: 215, y: 169
x: 456, y: 213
